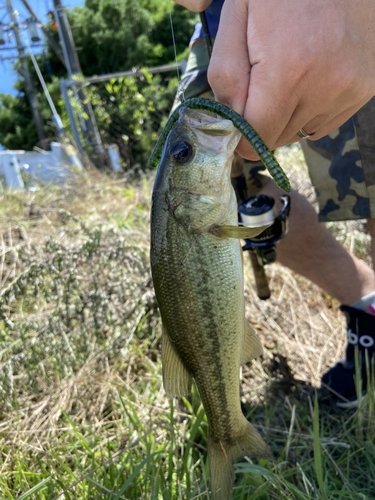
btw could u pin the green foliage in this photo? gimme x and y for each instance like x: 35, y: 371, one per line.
x: 111, y: 36
x: 83, y: 414
x: 112, y: 49
x: 17, y: 129
x: 131, y: 112
x: 116, y: 35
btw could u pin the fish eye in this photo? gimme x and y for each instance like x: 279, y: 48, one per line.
x: 182, y: 151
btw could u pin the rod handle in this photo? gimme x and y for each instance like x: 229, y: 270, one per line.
x: 261, y: 280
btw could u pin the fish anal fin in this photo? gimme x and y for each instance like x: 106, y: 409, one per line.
x: 176, y: 379
x: 252, y: 347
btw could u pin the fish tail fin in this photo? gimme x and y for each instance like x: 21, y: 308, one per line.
x: 222, y: 456
x: 221, y: 472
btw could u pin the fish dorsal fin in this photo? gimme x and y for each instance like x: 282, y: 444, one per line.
x: 176, y: 379
x: 252, y: 347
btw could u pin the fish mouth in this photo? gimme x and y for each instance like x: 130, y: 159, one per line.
x: 208, y: 123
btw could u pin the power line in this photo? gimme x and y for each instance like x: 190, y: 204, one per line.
x: 29, y: 87
x: 73, y: 66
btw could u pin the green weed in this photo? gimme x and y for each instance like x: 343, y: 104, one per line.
x: 83, y: 414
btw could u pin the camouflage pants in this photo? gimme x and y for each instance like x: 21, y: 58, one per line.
x: 342, y: 168
x: 341, y: 165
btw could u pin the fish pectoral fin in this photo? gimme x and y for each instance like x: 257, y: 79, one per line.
x: 176, y: 379
x: 252, y: 346
x: 239, y: 232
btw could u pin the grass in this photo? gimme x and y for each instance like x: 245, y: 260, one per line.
x: 82, y: 409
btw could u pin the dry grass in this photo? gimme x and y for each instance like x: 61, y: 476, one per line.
x: 80, y: 385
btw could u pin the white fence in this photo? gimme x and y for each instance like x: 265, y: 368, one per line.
x: 25, y: 169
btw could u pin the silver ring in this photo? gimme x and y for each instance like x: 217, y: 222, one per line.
x: 304, y: 135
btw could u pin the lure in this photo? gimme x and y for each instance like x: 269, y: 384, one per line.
x: 266, y: 156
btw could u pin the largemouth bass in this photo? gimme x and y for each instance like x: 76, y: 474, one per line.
x: 196, y: 262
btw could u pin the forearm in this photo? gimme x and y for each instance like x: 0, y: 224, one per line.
x: 194, y: 5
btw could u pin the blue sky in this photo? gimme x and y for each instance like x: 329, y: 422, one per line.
x: 41, y: 7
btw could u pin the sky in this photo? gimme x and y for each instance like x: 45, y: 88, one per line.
x: 41, y: 7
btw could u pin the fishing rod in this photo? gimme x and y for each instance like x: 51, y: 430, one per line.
x: 259, y: 210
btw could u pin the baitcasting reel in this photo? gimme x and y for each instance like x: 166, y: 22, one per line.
x: 259, y: 211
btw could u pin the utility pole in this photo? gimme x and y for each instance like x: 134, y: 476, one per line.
x: 55, y: 46
x: 29, y: 87
x: 73, y: 66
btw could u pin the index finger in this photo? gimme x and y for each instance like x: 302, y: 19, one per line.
x: 229, y: 68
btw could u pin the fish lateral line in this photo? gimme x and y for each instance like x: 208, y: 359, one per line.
x: 249, y: 133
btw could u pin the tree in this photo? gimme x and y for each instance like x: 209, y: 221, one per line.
x: 111, y: 36
x: 17, y: 130
x: 117, y: 35
x: 130, y: 112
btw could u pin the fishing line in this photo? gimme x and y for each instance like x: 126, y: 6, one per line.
x: 180, y: 91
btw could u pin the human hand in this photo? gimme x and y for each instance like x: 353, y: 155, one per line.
x: 290, y: 65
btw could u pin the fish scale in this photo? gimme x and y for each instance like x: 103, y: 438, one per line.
x: 186, y: 307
